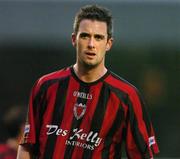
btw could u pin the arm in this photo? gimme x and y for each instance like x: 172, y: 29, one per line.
x: 24, y: 152
x: 25, y: 149
x: 140, y: 137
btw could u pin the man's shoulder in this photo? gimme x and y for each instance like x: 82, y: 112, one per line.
x: 64, y: 72
x: 119, y: 83
x: 54, y: 76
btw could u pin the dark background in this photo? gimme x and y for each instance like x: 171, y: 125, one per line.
x: 35, y: 39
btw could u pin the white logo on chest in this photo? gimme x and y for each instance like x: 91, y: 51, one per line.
x: 79, y: 110
x: 82, y: 95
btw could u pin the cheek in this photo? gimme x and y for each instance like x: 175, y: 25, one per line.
x: 80, y: 48
x: 80, y: 45
x: 103, y: 49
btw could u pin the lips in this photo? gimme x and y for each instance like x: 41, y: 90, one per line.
x: 90, y: 53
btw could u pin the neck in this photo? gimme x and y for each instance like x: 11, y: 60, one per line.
x: 87, y: 74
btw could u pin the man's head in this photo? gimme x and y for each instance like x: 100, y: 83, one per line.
x: 94, y: 12
x: 92, y: 36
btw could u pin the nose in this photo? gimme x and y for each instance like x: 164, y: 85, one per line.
x: 91, y: 43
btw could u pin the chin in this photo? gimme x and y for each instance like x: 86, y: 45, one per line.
x: 89, y: 65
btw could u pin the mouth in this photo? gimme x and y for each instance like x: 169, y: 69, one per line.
x: 90, y: 53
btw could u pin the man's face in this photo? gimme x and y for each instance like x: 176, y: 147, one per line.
x: 91, y: 42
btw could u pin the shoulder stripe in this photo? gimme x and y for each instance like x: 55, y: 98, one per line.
x: 123, y: 96
x: 63, y: 73
x: 120, y: 83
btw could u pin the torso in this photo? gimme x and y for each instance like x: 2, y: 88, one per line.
x: 81, y: 120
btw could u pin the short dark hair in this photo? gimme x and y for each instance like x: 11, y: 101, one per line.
x: 94, y: 12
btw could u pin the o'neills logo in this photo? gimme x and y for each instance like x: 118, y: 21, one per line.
x: 82, y: 95
x: 77, y: 138
x: 79, y: 110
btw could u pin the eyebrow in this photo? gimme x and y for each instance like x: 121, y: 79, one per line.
x: 84, y: 34
x: 95, y: 35
x: 99, y: 36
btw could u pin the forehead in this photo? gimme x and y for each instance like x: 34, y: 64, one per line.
x: 93, y: 26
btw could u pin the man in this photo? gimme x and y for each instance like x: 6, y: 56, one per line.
x: 85, y: 111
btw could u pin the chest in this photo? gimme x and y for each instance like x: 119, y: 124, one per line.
x: 88, y: 111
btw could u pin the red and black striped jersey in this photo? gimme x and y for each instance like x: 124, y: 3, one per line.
x: 71, y: 119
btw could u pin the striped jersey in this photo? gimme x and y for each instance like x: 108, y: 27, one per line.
x: 71, y: 119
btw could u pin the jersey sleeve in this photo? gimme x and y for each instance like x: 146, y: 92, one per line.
x: 140, y: 138
x: 32, y: 126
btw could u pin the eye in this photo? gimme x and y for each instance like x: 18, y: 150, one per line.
x: 99, y: 37
x: 84, y: 35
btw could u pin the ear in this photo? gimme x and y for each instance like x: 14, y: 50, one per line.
x: 109, y: 44
x: 73, y: 39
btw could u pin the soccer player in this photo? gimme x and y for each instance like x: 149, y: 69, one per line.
x: 85, y: 111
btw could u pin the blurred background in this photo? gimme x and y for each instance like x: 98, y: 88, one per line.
x: 35, y: 39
